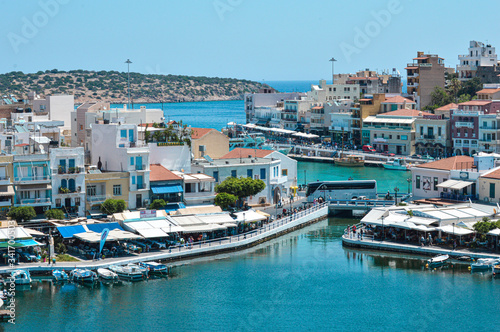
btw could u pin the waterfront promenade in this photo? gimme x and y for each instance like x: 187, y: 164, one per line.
x: 198, y: 249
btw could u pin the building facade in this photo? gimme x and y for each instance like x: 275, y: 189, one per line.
x: 424, y: 75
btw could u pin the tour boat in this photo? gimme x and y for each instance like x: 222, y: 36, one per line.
x: 21, y: 277
x: 484, y: 264
x: 397, y: 164
x: 60, y: 275
x: 437, y: 261
x: 130, y: 271
x: 106, y: 274
x: 83, y: 275
x: 349, y: 160
x: 496, y: 269
x: 155, y: 268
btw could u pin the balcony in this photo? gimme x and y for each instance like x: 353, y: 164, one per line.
x: 68, y: 170
x: 412, y: 85
x: 4, y: 180
x: 414, y: 75
x: 464, y: 124
x: 4, y: 203
x: 278, y: 180
x: 96, y: 199
x: 429, y: 136
x: 35, y: 201
x: 141, y: 167
x: 67, y: 191
x: 32, y: 179
x: 488, y: 128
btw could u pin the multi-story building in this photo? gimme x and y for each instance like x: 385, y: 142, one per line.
x: 32, y: 181
x: 165, y: 185
x: 199, y: 188
x: 489, y: 92
x: 115, y: 147
x: 208, y: 141
x: 393, y: 131
x: 57, y: 107
x: 79, y: 127
x: 338, y: 119
x: 103, y: 185
x: 328, y: 92
x: 432, y: 135
x: 266, y: 98
x: 396, y: 103
x: 370, y: 82
x: 68, y: 180
x: 479, y: 55
x: 294, y: 114
x: 6, y: 178
x: 424, y: 75
x: 367, y: 106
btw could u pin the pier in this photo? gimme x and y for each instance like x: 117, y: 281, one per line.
x: 204, y: 248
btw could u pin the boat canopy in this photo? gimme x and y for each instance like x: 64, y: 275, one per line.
x: 494, y: 232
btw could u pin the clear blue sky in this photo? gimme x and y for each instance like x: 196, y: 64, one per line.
x: 251, y: 39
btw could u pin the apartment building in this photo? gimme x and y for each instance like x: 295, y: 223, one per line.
x: 478, y: 55
x: 424, y: 75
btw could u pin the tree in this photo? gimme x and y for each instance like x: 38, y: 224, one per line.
x: 439, y: 98
x: 157, y: 204
x: 111, y: 206
x: 453, y: 88
x: 22, y: 213
x: 225, y: 200
x: 54, y: 214
x: 121, y: 205
x: 483, y: 227
x: 241, y: 188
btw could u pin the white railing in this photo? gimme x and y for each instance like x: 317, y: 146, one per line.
x: 464, y: 124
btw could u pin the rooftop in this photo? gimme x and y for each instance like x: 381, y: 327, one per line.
x: 488, y: 91
x: 197, y: 133
x: 447, y: 107
x: 475, y: 103
x: 160, y: 173
x: 406, y: 112
x: 398, y: 100
x: 452, y: 163
x: 242, y: 152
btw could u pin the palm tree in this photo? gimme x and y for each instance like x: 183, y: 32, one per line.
x: 453, y: 87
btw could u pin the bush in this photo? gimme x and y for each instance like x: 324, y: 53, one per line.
x: 22, y: 213
x: 157, y: 204
x: 61, y: 248
x: 111, y: 206
x: 54, y: 214
x: 225, y: 200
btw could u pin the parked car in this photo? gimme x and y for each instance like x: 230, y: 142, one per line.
x: 427, y: 157
x: 388, y: 154
x: 368, y: 148
x: 416, y: 156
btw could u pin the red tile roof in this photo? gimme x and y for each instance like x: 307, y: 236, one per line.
x: 160, y: 173
x: 397, y: 100
x: 488, y: 91
x: 492, y: 175
x: 421, y: 58
x: 407, y: 112
x: 447, y: 107
x: 199, y: 132
x: 457, y: 162
x: 317, y: 107
x: 244, y: 153
x: 412, y: 67
x: 476, y: 103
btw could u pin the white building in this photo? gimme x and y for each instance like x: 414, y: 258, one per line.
x: 328, y: 92
x: 68, y: 180
x: 172, y: 157
x: 479, y: 55
x: 115, y: 148
x: 270, y: 98
x: 58, y: 107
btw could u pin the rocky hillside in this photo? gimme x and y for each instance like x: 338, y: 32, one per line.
x: 111, y: 86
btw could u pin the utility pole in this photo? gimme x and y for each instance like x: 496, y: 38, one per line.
x: 333, y: 76
x: 128, y: 62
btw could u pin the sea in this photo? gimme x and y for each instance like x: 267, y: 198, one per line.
x: 302, y: 281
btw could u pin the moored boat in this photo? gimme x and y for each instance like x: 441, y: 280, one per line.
x: 107, y: 274
x: 155, y: 268
x: 83, y: 275
x: 21, y: 277
x: 350, y: 161
x: 496, y: 269
x: 484, y: 264
x: 397, y: 164
x: 130, y: 271
x: 60, y: 275
x: 437, y: 261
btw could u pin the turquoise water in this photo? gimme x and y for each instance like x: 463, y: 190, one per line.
x: 303, y: 281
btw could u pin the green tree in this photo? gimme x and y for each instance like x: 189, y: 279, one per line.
x: 22, y: 213
x: 483, y: 227
x: 453, y: 88
x: 157, y: 204
x: 439, y: 98
x: 54, y: 214
x: 225, y: 200
x: 111, y: 206
x: 241, y: 188
x: 121, y: 205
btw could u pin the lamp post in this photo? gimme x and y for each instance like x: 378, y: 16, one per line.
x: 305, y: 177
x: 396, y: 189
x: 383, y: 233
x: 128, y: 62
x: 409, y: 182
x: 333, y: 76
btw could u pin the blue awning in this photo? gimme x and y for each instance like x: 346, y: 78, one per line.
x: 169, y: 189
x: 174, y: 207
x: 99, y: 227
x: 67, y: 232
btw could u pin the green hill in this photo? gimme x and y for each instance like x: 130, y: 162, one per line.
x: 111, y: 86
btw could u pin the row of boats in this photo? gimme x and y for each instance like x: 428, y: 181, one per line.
x: 397, y: 164
x: 130, y: 272
x: 480, y: 264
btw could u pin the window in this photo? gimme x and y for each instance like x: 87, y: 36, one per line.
x: 91, y: 190
x: 131, y: 161
x: 58, y: 202
x: 233, y: 173
x: 421, y: 130
x: 133, y: 180
x: 404, y: 137
x: 284, y: 172
x: 417, y: 181
x: 390, y: 136
x: 216, y: 176
x: 81, y: 127
x: 123, y: 133
x: 492, y: 190
x: 435, y: 184
x: 117, y: 189
x: 250, y: 173
x: 439, y: 131
x: 262, y: 173
x: 72, y: 185
x: 398, y: 137
x: 77, y: 201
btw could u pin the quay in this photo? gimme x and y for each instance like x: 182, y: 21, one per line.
x: 233, y: 243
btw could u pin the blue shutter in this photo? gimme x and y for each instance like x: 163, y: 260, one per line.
x: 132, y: 161
x: 263, y: 173
x: 123, y: 133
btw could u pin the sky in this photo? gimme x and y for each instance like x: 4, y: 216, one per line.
x: 261, y: 40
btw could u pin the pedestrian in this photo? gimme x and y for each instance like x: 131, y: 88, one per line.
x: 354, y: 229
x: 430, y: 239
x: 361, y: 232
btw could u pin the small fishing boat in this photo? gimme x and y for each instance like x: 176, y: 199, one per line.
x: 21, y: 277
x: 60, y: 275
x: 496, y: 269
x: 483, y: 264
x: 155, y: 268
x: 107, y: 274
x: 350, y: 161
x: 130, y: 271
x: 397, y: 164
x: 83, y: 275
x: 437, y: 261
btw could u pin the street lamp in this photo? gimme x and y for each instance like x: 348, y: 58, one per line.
x: 128, y: 62
x: 383, y: 233
x: 396, y: 189
x: 409, y: 182
x: 333, y: 77
x: 305, y: 177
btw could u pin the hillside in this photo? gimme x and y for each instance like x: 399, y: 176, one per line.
x: 111, y: 86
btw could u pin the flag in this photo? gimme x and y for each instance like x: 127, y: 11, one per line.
x: 104, y: 235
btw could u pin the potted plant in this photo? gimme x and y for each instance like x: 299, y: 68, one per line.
x: 60, y: 169
x: 72, y: 170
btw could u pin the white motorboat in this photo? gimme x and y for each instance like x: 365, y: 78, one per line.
x: 130, y: 271
x: 21, y: 277
x: 107, y: 274
x: 60, y: 275
x: 83, y: 275
x: 397, y: 164
x: 483, y: 264
x: 154, y: 267
x: 437, y: 261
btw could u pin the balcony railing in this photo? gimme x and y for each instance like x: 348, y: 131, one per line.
x: 32, y: 178
x: 6, y: 203
x: 31, y: 201
x: 140, y: 167
x: 140, y: 186
x: 464, y: 124
x: 68, y: 170
x: 429, y: 136
x: 488, y: 127
x: 96, y: 199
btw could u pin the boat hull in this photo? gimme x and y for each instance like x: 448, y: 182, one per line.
x: 349, y: 164
x: 395, y: 168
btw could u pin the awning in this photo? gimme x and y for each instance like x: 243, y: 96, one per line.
x: 33, y: 186
x: 168, y: 189
x: 68, y: 232
x: 150, y: 233
x: 20, y: 244
x: 249, y: 216
x: 454, y: 184
x: 203, y: 228
x: 98, y: 228
x: 494, y: 232
x: 267, y: 215
x: 7, y: 190
x: 455, y: 230
x: 34, y: 232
